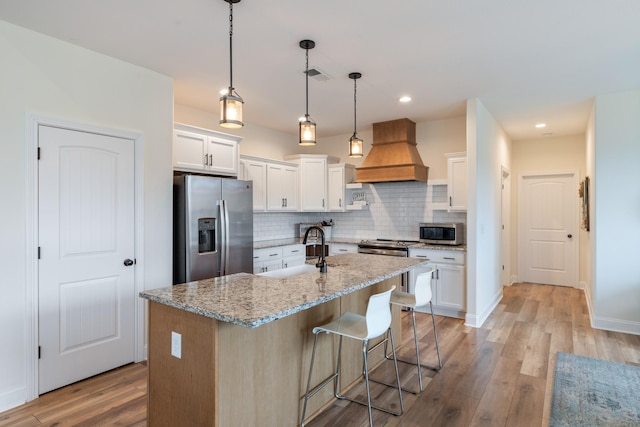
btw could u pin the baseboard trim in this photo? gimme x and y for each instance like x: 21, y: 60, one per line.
x: 13, y: 398
x: 615, y: 325
x: 476, y: 321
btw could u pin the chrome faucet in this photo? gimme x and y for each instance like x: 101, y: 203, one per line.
x: 322, y: 263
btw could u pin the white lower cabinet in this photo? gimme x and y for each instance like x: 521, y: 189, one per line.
x: 448, y: 284
x: 275, y: 258
x: 342, y: 248
x: 293, y: 255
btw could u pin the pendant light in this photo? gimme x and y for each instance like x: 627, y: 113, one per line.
x: 231, y: 103
x: 355, y: 143
x: 307, y: 126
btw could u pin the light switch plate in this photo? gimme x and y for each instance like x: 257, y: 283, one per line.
x: 176, y: 345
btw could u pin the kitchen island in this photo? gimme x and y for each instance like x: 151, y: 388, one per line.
x: 245, y: 341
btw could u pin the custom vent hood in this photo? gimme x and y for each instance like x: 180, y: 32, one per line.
x: 394, y: 154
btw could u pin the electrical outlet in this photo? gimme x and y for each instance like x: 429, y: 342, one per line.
x: 176, y: 345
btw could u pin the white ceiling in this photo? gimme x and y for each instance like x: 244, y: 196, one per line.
x: 527, y: 61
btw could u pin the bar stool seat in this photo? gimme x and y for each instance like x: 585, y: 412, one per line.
x: 421, y: 296
x: 375, y: 323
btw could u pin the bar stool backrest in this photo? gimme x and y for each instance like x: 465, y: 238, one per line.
x: 378, y: 314
x: 423, y: 288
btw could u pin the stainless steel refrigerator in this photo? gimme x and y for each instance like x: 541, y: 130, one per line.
x: 213, y: 227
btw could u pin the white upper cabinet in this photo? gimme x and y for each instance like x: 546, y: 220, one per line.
x: 312, y: 180
x: 256, y: 171
x: 282, y: 187
x: 457, y: 181
x: 340, y: 174
x: 205, y: 151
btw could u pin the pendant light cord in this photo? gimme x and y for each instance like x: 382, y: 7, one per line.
x: 230, y: 47
x: 354, y: 105
x: 306, y: 73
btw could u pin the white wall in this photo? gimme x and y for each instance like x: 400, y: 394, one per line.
x: 616, y: 219
x: 49, y: 77
x: 488, y: 149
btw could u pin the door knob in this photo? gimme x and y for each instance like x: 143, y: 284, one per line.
x: 128, y: 262
x: 569, y: 235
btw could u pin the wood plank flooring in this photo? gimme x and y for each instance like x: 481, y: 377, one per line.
x: 497, y: 375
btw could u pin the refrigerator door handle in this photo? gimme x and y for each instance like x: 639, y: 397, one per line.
x: 224, y: 223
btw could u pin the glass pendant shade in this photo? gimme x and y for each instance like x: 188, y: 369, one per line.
x: 231, y: 111
x: 307, y: 131
x: 355, y: 146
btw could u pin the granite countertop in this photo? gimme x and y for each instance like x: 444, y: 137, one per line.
x: 298, y: 240
x: 461, y: 248
x: 249, y: 300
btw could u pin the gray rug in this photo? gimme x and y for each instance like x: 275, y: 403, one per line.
x: 592, y: 392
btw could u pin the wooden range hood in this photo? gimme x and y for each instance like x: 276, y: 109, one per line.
x: 394, y: 154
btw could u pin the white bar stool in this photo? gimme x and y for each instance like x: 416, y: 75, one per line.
x: 375, y: 323
x: 421, y: 296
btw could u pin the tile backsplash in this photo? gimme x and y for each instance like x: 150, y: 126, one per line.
x: 394, y: 211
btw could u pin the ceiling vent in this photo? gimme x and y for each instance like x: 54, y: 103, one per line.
x: 318, y: 75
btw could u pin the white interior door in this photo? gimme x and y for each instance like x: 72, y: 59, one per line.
x: 548, y: 229
x: 86, y: 291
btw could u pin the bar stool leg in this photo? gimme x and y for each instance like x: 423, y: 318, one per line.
x: 415, y: 340
x: 306, y: 395
x: 435, y: 334
x: 366, y: 381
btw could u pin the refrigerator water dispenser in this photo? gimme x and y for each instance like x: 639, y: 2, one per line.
x: 206, y: 235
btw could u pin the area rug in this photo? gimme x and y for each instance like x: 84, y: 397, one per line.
x: 592, y: 392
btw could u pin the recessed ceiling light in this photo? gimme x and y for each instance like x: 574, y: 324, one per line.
x: 405, y: 99
x: 541, y: 125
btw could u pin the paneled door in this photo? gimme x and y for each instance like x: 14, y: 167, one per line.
x: 548, y: 229
x: 86, y: 291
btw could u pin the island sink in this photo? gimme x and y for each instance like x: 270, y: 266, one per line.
x: 290, y: 272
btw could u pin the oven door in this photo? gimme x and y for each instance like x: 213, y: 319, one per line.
x: 382, y: 251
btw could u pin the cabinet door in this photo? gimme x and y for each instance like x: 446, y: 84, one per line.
x: 256, y: 172
x: 457, y: 183
x: 289, y: 185
x: 335, y: 189
x: 450, y: 289
x: 189, y: 151
x: 275, y: 198
x: 313, y: 185
x: 222, y: 156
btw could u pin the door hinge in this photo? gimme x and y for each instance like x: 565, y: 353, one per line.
x: 39, y: 352
x: 38, y: 252
x: 38, y: 153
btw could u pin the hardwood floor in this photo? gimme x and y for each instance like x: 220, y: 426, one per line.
x: 497, y: 375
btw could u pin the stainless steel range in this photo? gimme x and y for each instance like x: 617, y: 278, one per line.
x: 386, y: 247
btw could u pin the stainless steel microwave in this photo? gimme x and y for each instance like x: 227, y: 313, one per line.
x: 442, y: 234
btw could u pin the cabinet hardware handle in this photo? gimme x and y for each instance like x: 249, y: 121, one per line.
x: 273, y: 254
x: 286, y: 202
x: 448, y: 257
x: 343, y: 250
x: 210, y: 159
x: 450, y: 201
x: 340, y: 202
x: 297, y: 250
x: 256, y: 257
x: 569, y: 235
x: 323, y: 203
x: 422, y: 256
x: 206, y: 160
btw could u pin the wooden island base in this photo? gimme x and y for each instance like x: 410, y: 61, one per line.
x: 230, y: 375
